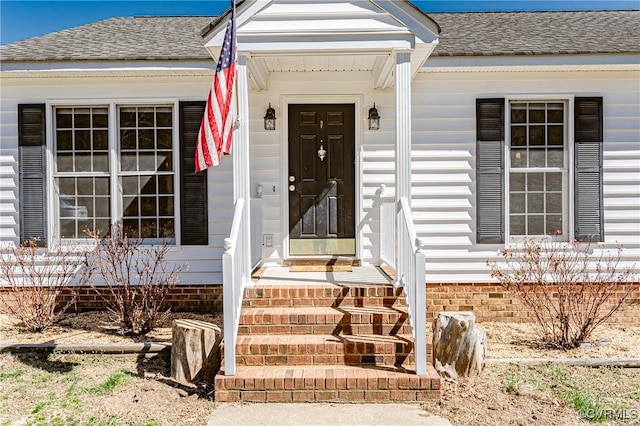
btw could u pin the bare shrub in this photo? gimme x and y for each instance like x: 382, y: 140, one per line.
x: 33, y: 278
x: 569, y: 289
x: 133, y: 279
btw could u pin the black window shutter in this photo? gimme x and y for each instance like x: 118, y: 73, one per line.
x: 193, y: 186
x: 32, y: 168
x: 490, y: 170
x: 588, y: 127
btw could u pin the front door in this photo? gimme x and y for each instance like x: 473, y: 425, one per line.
x: 322, y: 180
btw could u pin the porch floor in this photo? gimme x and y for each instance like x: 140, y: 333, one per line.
x: 280, y: 275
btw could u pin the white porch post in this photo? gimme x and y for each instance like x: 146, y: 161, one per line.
x: 403, y: 154
x: 241, y: 167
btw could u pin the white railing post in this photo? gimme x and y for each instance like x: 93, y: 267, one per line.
x: 228, y: 298
x: 420, y: 310
x: 241, y: 164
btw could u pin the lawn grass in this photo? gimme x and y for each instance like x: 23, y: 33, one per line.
x: 94, y: 390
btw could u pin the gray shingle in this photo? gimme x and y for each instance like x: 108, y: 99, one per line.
x: 134, y: 38
x: 463, y: 34
x: 537, y: 33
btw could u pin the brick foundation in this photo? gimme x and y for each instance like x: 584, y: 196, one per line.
x: 488, y: 301
x: 491, y: 302
x: 202, y: 299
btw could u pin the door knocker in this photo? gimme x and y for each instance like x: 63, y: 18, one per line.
x: 322, y: 152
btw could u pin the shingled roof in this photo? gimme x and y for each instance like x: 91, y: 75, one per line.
x: 463, y: 34
x: 133, y: 38
x: 537, y: 33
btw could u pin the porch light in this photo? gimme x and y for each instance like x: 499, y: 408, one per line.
x: 374, y: 118
x: 270, y: 118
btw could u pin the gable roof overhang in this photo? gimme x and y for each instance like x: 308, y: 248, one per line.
x: 327, y: 36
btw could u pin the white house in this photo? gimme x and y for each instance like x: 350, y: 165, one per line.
x: 493, y: 126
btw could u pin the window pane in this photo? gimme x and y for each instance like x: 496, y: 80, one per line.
x: 130, y: 206
x: 519, y: 113
x: 148, y: 228
x: 555, y: 158
x: 165, y: 161
x: 166, y: 228
x: 100, y: 117
x: 554, y: 225
x: 165, y: 206
x: 147, y: 162
x: 101, y: 162
x: 536, y: 135
x: 516, y: 203
x: 518, y: 136
x: 536, y: 113
x: 165, y: 184
x: 555, y: 135
x: 535, y: 225
x: 145, y: 117
x: 554, y: 181
x: 100, y: 140
x: 164, y: 138
x: 145, y: 139
x: 131, y: 228
x: 130, y: 185
x: 148, y: 206
x: 554, y: 202
x: 102, y: 207
x: 535, y: 181
x: 102, y: 186
x: 128, y: 161
x: 83, y: 140
x: 535, y: 203
x: 536, y: 158
x: 83, y: 162
x: 128, y: 139
x: 164, y: 117
x: 64, y: 118
x: 64, y: 140
x: 127, y: 117
x: 517, y: 225
x: 67, y: 228
x: 518, y: 158
x: 555, y: 113
x: 64, y: 162
x: 82, y: 118
x: 148, y: 184
x: 516, y: 182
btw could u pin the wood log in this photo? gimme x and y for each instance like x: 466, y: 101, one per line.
x: 195, y: 350
x: 459, y: 347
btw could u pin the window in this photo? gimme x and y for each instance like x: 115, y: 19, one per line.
x: 538, y: 169
x: 143, y: 184
x: 524, y: 169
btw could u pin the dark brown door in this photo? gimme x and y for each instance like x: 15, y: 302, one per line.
x: 322, y: 179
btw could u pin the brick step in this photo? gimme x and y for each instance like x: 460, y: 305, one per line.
x: 307, y: 349
x: 326, y: 383
x: 325, y: 320
x: 327, y: 295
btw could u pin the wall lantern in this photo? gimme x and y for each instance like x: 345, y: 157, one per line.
x: 374, y: 118
x: 270, y: 118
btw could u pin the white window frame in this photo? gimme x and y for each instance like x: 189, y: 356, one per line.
x: 568, y: 182
x: 113, y: 105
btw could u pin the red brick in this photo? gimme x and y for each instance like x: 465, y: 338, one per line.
x: 279, y: 396
x: 254, y: 396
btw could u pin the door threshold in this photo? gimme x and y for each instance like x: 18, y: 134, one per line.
x: 322, y: 264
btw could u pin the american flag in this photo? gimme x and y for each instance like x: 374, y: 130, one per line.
x: 216, y: 129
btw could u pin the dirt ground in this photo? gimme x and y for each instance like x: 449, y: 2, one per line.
x: 96, y: 390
